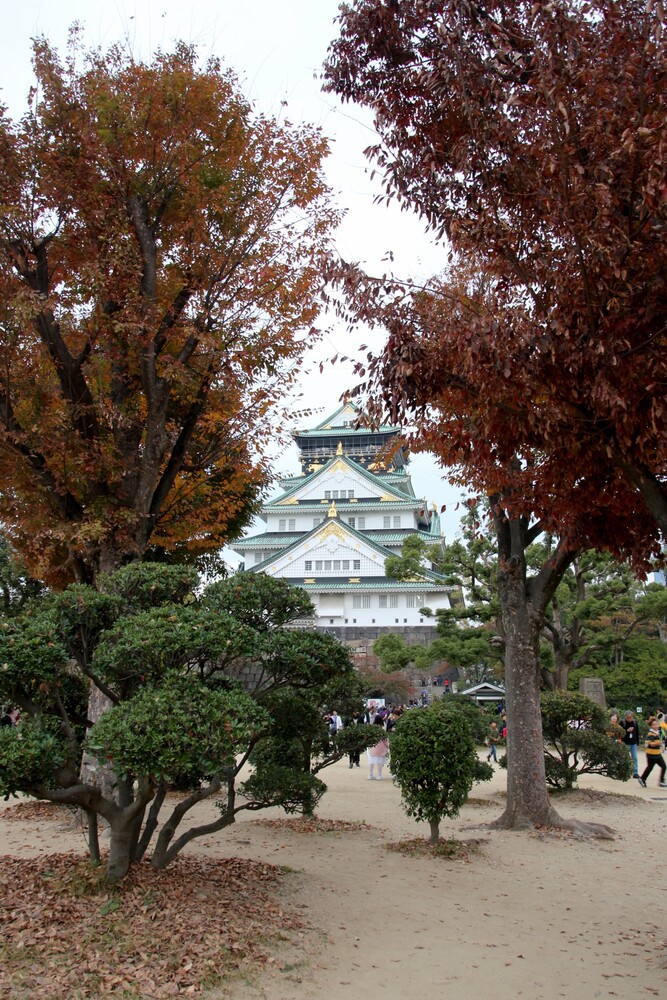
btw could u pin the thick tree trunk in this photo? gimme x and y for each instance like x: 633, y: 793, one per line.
x: 528, y: 802
x: 523, y: 604
x: 434, y: 824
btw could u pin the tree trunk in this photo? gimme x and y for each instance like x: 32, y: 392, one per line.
x: 434, y: 824
x: 93, y: 837
x: 92, y: 772
x: 527, y: 798
x: 120, y: 849
x: 523, y: 603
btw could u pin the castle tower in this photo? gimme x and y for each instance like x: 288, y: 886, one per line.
x: 333, y: 526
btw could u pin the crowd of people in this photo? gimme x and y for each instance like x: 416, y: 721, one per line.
x: 380, y: 715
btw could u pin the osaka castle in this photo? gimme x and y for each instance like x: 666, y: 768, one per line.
x: 331, y: 528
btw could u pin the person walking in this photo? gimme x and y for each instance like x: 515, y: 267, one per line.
x: 654, y: 758
x: 354, y: 757
x: 335, y: 722
x: 377, y: 755
x: 631, y: 740
x: 491, y: 742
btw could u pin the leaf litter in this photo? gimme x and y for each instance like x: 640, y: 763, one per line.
x: 314, y: 824
x: 66, y: 934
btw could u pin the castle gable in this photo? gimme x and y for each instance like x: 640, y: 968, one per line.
x: 344, y: 481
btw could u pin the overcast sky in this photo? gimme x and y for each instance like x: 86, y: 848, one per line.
x: 276, y: 48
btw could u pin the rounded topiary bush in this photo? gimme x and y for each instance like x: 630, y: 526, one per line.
x: 435, y: 763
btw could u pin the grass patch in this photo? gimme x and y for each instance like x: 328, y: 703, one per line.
x: 67, y: 936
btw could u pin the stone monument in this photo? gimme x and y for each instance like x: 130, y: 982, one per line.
x: 593, y: 688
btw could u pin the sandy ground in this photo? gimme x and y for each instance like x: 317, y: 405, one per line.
x: 532, y: 915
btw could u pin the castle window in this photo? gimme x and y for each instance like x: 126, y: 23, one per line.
x: 346, y: 564
x: 327, y: 494
x: 336, y: 564
x: 318, y: 565
x: 414, y: 601
x: 383, y: 601
x: 393, y: 601
x: 352, y: 521
x: 356, y: 564
x: 335, y: 494
x: 292, y: 524
x: 327, y: 565
x: 281, y: 524
x: 361, y: 523
x: 397, y: 522
x: 386, y: 522
x: 309, y: 565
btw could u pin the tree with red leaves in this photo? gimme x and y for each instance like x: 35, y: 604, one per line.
x: 161, y: 257
x: 533, y: 137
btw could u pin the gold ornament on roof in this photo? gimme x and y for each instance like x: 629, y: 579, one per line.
x: 334, y: 528
x: 339, y: 449
x: 332, y: 510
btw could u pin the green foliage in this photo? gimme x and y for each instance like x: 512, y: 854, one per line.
x: 80, y: 615
x: 410, y: 563
x: 593, y: 614
x: 30, y: 754
x: 434, y: 761
x: 144, y: 585
x: 640, y: 678
x: 143, y: 646
x: 392, y: 652
x: 470, y: 710
x: 179, y: 731
x: 469, y: 633
x: 196, y: 691
x: 578, y: 740
x: 35, y: 671
x: 290, y: 789
x: 263, y: 602
x: 299, y: 738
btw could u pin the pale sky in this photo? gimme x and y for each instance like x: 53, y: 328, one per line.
x: 276, y: 48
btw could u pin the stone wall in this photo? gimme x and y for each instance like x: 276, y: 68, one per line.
x: 359, y: 639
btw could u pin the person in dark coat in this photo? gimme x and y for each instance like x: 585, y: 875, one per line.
x: 631, y: 740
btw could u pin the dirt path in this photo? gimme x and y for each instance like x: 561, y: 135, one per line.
x: 538, y: 916
x: 535, y: 916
